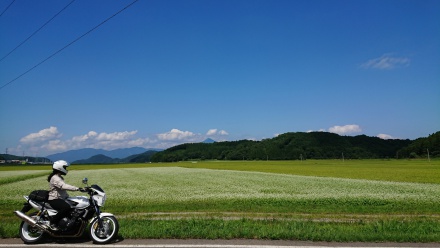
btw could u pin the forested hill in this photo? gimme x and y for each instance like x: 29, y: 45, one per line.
x: 421, y: 147
x: 288, y: 146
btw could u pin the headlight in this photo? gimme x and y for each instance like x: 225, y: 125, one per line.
x: 100, y: 200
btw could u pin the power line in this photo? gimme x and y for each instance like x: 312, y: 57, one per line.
x: 7, y: 8
x: 37, y: 30
x: 75, y: 40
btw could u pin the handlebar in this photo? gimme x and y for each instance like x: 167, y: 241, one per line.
x: 85, y: 189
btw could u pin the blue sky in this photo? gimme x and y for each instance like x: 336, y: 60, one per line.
x: 162, y: 73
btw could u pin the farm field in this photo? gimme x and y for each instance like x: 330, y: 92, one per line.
x: 366, y: 200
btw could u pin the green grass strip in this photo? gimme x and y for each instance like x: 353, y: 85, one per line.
x: 419, y: 230
x: 18, y: 178
x: 375, y: 231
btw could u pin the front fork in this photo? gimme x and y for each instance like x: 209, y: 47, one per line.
x: 98, y: 215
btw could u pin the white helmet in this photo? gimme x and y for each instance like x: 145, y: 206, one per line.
x: 61, y: 166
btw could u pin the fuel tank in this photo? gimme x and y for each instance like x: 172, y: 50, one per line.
x: 79, y: 202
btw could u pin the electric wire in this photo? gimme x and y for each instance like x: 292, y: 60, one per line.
x: 37, y: 30
x: 7, y: 7
x: 75, y: 40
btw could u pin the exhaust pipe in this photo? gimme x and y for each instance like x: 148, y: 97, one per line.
x: 29, y: 220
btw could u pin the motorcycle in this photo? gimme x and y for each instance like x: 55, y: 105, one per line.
x: 102, y: 228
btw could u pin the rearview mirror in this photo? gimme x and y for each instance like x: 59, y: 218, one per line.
x: 85, y: 180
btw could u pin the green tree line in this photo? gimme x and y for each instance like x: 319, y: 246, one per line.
x: 421, y: 147
x: 301, y: 145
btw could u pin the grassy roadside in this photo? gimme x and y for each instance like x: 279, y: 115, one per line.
x: 386, y: 230
x: 416, y: 229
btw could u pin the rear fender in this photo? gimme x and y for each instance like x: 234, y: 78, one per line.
x: 37, y: 205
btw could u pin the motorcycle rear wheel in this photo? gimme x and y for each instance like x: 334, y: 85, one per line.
x: 29, y: 234
x: 106, y: 233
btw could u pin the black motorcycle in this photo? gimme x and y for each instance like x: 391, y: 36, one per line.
x: 102, y: 227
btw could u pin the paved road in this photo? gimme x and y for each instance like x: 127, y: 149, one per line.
x: 201, y: 243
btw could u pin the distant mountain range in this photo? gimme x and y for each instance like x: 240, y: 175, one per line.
x: 287, y: 146
x: 97, y: 156
x: 97, y: 159
x: 86, y: 153
x: 102, y: 159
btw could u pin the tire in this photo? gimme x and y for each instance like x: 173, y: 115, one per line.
x: 29, y: 234
x: 107, y: 233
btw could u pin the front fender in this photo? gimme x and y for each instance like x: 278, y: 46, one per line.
x: 101, y: 215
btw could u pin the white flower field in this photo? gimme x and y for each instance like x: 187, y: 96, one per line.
x: 144, y: 186
x: 239, y: 200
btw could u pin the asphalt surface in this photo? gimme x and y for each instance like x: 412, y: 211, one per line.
x: 200, y: 243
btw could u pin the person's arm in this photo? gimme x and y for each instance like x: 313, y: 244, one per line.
x: 59, y: 183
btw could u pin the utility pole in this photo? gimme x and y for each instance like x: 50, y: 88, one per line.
x: 429, y: 160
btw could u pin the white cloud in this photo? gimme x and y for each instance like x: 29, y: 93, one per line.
x: 223, y: 132
x: 140, y: 142
x: 102, y: 140
x: 175, y: 134
x: 41, y: 136
x: 48, y: 141
x: 212, y: 132
x: 55, y: 145
x: 385, y: 136
x: 320, y: 130
x: 386, y: 62
x: 347, y: 129
x: 84, y: 138
x: 115, y: 136
x: 341, y: 130
x: 111, y: 140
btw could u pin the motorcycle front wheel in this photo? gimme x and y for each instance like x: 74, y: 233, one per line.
x: 29, y: 234
x: 106, y: 233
